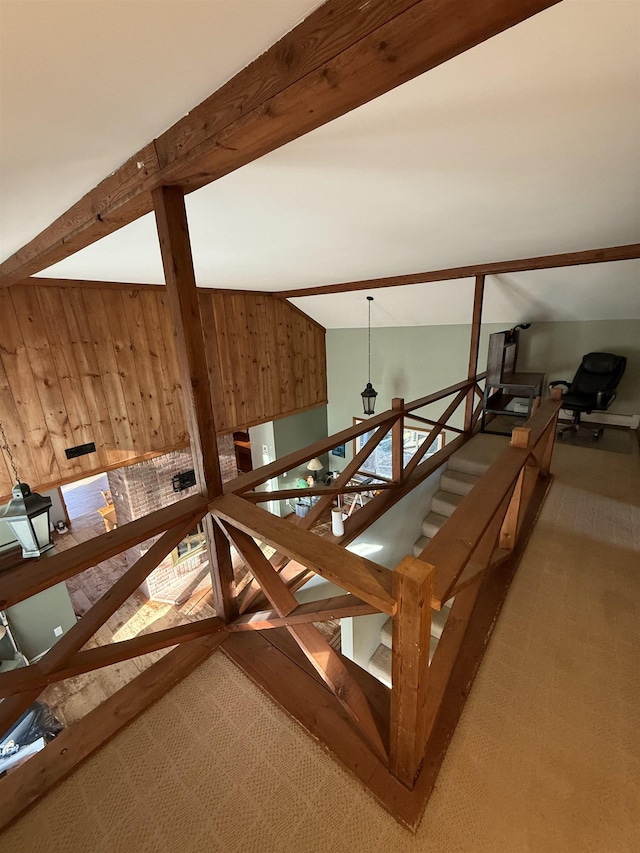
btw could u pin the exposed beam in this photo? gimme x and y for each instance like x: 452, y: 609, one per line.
x: 566, y: 259
x: 184, y: 307
x: 476, y: 323
x: 346, y: 53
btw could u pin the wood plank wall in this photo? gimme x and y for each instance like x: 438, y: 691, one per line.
x: 98, y: 363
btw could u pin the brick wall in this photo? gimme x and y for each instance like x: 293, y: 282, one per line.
x: 147, y: 486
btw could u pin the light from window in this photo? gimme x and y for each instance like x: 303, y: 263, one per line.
x: 192, y: 542
x: 379, y: 463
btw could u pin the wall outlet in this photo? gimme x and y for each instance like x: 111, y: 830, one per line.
x: 58, y: 631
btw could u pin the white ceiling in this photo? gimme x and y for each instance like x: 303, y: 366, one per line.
x: 526, y: 145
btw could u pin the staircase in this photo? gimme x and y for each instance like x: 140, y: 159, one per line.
x: 463, y: 471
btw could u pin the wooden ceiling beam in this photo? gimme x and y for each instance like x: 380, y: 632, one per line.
x: 344, y: 54
x: 566, y: 259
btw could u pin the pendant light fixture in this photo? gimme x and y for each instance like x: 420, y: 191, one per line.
x: 369, y: 394
x: 27, y: 513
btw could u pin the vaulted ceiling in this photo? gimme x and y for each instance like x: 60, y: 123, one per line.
x: 526, y: 145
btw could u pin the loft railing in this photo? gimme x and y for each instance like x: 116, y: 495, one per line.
x: 393, y: 727
x: 481, y: 534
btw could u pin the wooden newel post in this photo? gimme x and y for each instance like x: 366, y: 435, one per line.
x: 413, y: 586
x: 549, y: 442
x: 521, y: 438
x: 397, y: 442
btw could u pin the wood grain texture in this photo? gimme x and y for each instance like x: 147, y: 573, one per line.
x: 344, y: 54
x: 476, y: 321
x: 88, y: 660
x: 324, y: 659
x: 364, y: 578
x: 84, y: 363
x: 413, y: 589
x: 96, y: 616
x: 564, y: 259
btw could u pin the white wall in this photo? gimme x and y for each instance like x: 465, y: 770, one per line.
x: 386, y: 542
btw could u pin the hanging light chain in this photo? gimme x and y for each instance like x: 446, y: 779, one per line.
x: 7, y: 450
x: 370, y: 298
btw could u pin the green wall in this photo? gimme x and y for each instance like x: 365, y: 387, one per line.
x: 413, y: 361
x: 35, y: 620
x: 286, y: 435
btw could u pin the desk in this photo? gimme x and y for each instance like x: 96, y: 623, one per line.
x: 513, y: 396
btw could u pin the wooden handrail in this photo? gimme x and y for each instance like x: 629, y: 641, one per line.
x: 247, y: 482
x: 439, y: 395
x: 362, y: 577
x: 292, y: 460
x: 453, y: 545
x: 435, y: 432
x: 20, y: 583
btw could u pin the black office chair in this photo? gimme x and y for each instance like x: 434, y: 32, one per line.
x: 593, y: 388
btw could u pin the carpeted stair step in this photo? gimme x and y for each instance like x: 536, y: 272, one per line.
x: 432, y: 523
x: 444, y: 503
x: 438, y: 619
x: 457, y: 482
x: 478, y: 454
x: 386, y: 632
x: 380, y: 663
x: 420, y: 545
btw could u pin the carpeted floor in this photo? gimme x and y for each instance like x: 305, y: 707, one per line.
x: 546, y: 758
x: 612, y: 440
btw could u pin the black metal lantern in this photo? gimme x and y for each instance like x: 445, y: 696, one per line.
x: 27, y: 513
x: 369, y: 399
x: 28, y: 517
x: 369, y: 394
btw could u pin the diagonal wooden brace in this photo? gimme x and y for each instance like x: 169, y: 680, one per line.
x: 321, y: 655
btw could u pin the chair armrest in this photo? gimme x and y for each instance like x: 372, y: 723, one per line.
x: 604, y: 399
x: 559, y: 382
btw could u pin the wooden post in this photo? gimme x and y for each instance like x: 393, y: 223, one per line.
x: 414, y: 583
x: 397, y: 442
x: 173, y: 232
x: 544, y: 458
x: 521, y: 438
x: 473, y: 353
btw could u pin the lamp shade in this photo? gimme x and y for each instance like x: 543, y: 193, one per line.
x: 369, y: 399
x: 315, y: 465
x: 28, y: 517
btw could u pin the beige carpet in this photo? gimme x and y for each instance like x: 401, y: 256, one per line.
x: 546, y: 757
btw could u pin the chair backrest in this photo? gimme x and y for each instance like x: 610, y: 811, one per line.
x: 599, y: 372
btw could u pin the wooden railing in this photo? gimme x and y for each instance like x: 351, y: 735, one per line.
x: 394, y: 726
x: 481, y: 534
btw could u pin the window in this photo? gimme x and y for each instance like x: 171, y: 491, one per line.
x: 379, y: 463
x: 190, y: 545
